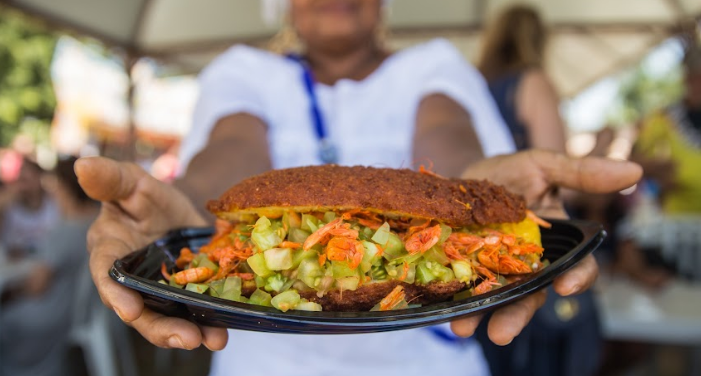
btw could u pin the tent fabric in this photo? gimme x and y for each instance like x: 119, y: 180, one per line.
x: 590, y: 39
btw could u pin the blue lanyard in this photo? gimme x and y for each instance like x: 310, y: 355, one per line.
x: 327, y: 151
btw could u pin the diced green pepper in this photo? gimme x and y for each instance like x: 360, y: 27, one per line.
x: 310, y: 272
x: 436, y: 254
x: 341, y: 269
x: 445, y: 233
x: 172, y: 283
x: 260, y: 297
x: 275, y: 282
x: 329, y: 216
x: 298, y: 235
x: 202, y: 259
x: 257, y: 263
x: 394, y: 247
x: 199, y: 288
x: 382, y: 235
x: 291, y: 219
x: 396, y: 271
x: 216, y: 288
x: 424, y: 274
x: 265, y: 235
x: 286, y: 300
x: 308, y: 306
x: 444, y: 273
x: 309, y: 223
x: 462, y: 270
x: 299, y: 255
x: 278, y: 258
x: 370, y: 256
x: 347, y: 283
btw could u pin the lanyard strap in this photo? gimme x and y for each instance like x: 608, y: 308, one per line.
x: 327, y: 151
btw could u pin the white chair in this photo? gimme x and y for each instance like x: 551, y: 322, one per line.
x: 680, y: 244
x: 99, y: 333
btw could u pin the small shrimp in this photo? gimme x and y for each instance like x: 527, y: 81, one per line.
x: 486, y: 286
x: 452, y: 251
x: 502, y: 264
x: 318, y: 235
x: 392, y: 299
x: 184, y: 258
x: 289, y: 244
x: 344, y: 249
x: 193, y: 275
x: 421, y: 241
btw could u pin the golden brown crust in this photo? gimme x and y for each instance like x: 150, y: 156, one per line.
x: 391, y: 192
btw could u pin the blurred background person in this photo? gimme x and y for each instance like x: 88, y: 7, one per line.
x: 660, y: 230
x: 37, y: 320
x: 563, y: 337
x: 511, y: 60
x: 27, y: 210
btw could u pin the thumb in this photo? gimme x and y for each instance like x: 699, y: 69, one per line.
x: 104, y: 179
x: 588, y: 174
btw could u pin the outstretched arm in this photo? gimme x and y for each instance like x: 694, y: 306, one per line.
x: 536, y: 174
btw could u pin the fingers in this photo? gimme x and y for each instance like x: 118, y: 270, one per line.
x: 168, y: 332
x: 589, y: 174
x: 214, y: 338
x: 465, y: 327
x: 507, y: 322
x: 106, y: 180
x: 577, y: 279
x: 127, y: 303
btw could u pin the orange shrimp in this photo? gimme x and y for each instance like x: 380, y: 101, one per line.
x: 184, y: 258
x: 486, y: 286
x: 318, y: 235
x: 193, y: 275
x: 345, y: 249
x: 392, y: 299
x: 289, y: 244
x: 422, y: 240
x: 501, y: 263
x: 452, y: 251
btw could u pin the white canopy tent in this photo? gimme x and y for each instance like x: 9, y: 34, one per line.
x: 590, y: 39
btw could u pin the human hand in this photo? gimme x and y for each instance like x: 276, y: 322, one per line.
x: 137, y: 209
x: 537, y: 174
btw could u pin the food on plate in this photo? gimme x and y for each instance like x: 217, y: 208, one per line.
x: 339, y: 238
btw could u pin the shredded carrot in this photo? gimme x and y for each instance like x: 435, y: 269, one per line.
x: 462, y: 189
x: 405, y: 271
x: 540, y: 221
x: 164, y: 271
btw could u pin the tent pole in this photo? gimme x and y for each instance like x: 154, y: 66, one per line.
x: 129, y: 149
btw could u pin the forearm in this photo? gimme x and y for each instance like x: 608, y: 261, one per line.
x: 237, y: 149
x: 445, y: 137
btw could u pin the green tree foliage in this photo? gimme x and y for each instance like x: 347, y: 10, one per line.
x: 642, y: 92
x: 27, y: 98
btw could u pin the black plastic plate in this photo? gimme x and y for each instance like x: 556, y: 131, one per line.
x: 566, y: 243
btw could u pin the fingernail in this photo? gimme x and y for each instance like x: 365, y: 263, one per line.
x: 118, y: 314
x: 175, y: 342
x: 575, y: 289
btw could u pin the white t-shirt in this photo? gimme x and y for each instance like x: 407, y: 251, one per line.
x: 371, y: 122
